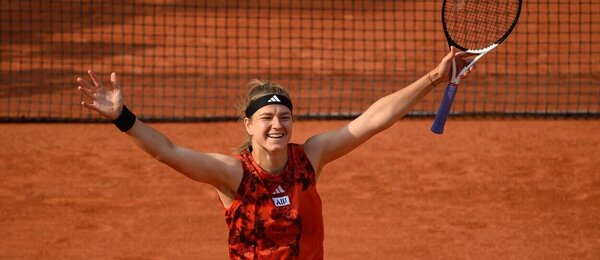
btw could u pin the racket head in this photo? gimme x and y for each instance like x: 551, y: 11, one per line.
x: 479, y: 25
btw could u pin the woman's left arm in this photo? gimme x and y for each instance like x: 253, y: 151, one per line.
x: 324, y: 148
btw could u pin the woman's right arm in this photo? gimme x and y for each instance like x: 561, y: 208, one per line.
x: 221, y: 171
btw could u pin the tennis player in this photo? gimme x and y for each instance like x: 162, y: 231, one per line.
x: 268, y: 189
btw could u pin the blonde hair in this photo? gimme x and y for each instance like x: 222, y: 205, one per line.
x: 257, y: 88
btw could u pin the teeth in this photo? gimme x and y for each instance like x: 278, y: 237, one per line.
x: 275, y: 135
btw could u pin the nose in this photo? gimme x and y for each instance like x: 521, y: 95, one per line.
x: 276, y: 123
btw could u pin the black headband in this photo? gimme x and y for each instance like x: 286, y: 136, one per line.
x: 267, y: 100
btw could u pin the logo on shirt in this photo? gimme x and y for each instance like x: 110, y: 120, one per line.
x: 280, y: 201
x: 279, y: 190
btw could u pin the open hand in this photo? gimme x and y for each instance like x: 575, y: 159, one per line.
x: 108, y: 103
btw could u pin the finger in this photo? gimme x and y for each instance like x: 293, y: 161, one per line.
x: 470, y: 63
x: 452, y: 53
x: 115, y: 81
x: 87, y: 92
x: 84, y: 83
x: 468, y: 72
x: 89, y: 106
x: 95, y: 78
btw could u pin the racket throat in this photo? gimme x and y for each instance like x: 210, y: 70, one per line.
x: 454, y: 79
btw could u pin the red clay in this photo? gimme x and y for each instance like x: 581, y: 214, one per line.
x: 507, y: 189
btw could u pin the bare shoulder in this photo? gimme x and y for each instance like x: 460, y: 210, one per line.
x: 229, y: 179
x: 315, y: 148
x: 324, y: 148
x: 224, y: 172
x: 230, y: 175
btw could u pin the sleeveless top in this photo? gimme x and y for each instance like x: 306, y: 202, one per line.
x: 276, y: 216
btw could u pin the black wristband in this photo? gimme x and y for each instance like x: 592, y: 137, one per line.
x: 125, y: 121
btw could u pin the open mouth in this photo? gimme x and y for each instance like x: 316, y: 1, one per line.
x: 276, y: 135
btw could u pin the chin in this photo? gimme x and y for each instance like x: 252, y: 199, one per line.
x: 276, y: 146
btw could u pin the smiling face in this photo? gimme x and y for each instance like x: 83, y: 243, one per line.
x: 270, y: 128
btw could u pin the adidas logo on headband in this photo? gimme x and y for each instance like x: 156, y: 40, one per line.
x: 274, y: 98
x: 260, y: 102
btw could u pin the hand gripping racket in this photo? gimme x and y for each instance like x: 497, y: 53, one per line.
x: 477, y: 27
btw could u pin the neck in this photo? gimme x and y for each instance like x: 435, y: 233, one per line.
x: 271, y: 162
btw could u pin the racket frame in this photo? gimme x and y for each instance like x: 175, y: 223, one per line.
x: 444, y: 110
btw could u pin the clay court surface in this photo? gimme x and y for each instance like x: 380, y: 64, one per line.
x: 486, y: 189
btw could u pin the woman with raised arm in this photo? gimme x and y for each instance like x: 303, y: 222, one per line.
x: 268, y: 189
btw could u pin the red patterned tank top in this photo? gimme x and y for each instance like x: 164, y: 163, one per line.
x: 276, y: 217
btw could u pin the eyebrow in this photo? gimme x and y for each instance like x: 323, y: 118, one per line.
x: 272, y: 114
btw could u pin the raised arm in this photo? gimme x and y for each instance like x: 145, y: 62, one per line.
x: 324, y: 148
x: 220, y: 171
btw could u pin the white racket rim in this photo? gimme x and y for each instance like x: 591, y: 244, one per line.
x: 484, y: 50
x: 481, y: 52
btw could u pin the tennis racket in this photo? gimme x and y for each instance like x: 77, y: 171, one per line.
x: 476, y: 27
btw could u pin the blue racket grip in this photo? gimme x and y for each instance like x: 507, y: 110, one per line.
x: 444, y: 110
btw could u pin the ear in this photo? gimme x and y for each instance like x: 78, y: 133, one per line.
x: 248, y: 125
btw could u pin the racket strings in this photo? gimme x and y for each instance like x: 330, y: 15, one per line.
x: 475, y: 24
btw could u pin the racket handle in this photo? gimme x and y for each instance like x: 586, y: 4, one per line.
x: 444, y: 110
